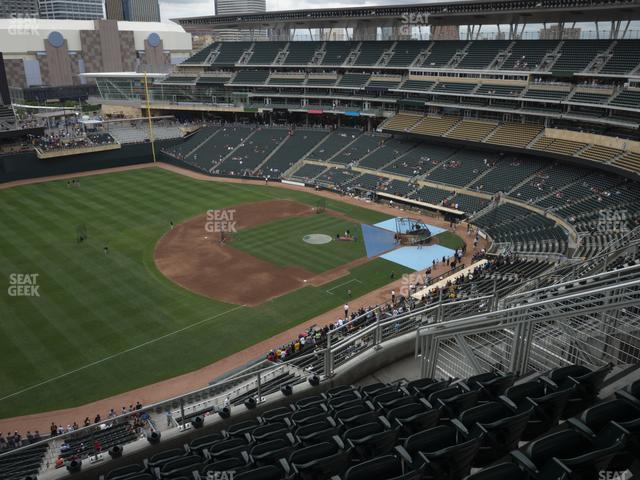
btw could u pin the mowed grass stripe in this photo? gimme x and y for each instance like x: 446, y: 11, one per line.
x: 281, y: 242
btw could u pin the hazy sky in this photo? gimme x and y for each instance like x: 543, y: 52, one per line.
x: 191, y: 8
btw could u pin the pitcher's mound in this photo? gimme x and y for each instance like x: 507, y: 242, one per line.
x: 317, y: 239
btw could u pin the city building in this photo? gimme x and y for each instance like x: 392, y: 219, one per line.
x: 133, y: 10
x: 235, y: 7
x: 114, y: 10
x: 55, y: 52
x: 141, y: 10
x: 72, y: 9
x: 18, y: 8
x: 556, y: 32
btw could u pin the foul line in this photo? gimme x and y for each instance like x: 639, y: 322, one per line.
x: 333, y: 288
x: 97, y: 362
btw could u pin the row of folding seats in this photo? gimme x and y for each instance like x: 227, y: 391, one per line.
x: 602, y: 438
x: 437, y: 429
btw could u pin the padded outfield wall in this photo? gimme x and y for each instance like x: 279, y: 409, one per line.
x: 22, y: 166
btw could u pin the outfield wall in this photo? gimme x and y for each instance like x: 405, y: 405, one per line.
x: 23, y: 166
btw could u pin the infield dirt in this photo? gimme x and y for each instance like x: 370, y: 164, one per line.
x: 195, y: 259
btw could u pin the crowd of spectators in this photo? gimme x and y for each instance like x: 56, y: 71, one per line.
x: 316, y: 337
x: 16, y: 440
x: 56, y: 142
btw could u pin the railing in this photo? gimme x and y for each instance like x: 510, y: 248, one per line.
x: 594, y: 327
x: 595, y: 320
x: 620, y: 275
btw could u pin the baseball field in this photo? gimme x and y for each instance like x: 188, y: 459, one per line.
x: 87, y: 313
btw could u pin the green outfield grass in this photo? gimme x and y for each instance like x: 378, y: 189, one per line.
x: 281, y: 242
x: 105, y: 324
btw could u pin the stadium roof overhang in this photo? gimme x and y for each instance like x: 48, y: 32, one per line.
x: 492, y: 12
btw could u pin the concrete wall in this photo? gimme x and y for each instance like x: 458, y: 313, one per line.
x: 23, y: 166
x: 602, y: 140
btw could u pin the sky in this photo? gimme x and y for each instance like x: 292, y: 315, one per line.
x: 192, y: 8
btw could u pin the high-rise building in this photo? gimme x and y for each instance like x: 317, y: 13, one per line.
x: 236, y: 7
x: 141, y: 10
x: 133, y: 10
x: 72, y: 9
x: 114, y: 10
x: 557, y: 32
x: 18, y: 8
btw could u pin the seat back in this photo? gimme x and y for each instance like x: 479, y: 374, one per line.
x: 414, y: 418
x: 126, y: 471
x: 161, y: 458
x: 386, y: 467
x: 591, y: 382
x: 457, y: 404
x: 503, y: 435
x: 270, y: 430
x: 276, y: 415
x: 267, y: 472
x: 519, y: 393
x: 502, y: 471
x: 559, y: 375
x: 599, y: 416
x: 546, y: 413
x: 204, y: 442
x: 562, y: 444
x: 320, y: 461
x: 453, y: 462
x: 430, y: 440
x: 495, y: 387
x: 483, y: 413
x: 310, y: 401
x: 239, y: 429
x: 180, y: 464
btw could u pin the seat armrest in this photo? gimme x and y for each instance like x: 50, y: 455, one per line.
x: 548, y: 382
x: 521, y: 459
x: 580, y: 426
x: 628, y: 397
x: 339, y: 442
x: 403, y: 454
x: 508, y: 402
x: 405, y: 390
x: 575, y: 381
x: 285, y: 466
x: 385, y: 422
x: 460, y: 427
